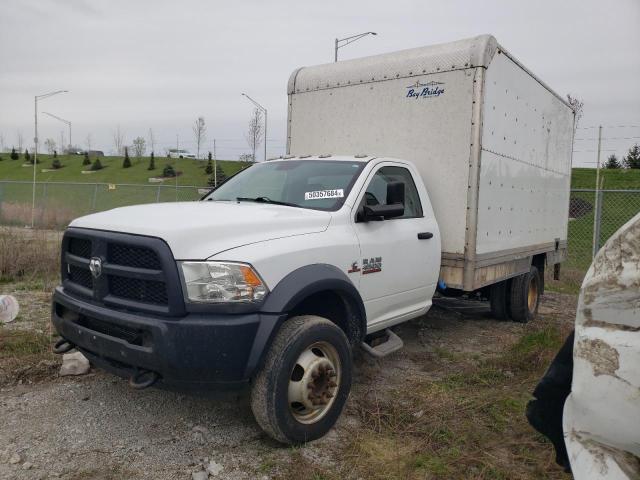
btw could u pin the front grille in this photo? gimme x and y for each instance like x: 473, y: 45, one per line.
x: 80, y: 276
x: 80, y: 247
x: 138, y: 273
x: 138, y: 257
x: 147, y: 291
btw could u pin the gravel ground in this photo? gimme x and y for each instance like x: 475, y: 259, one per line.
x: 96, y: 427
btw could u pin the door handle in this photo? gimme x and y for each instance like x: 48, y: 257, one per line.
x: 425, y: 235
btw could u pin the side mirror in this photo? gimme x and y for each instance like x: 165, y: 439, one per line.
x: 394, y: 207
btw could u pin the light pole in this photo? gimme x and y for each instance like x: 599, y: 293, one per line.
x: 343, y: 42
x: 264, y: 110
x: 63, y: 121
x: 35, y: 151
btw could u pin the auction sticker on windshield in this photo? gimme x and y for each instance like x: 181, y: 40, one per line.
x: 318, y: 194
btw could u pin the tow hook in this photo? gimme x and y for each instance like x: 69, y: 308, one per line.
x: 62, y: 346
x: 143, y: 379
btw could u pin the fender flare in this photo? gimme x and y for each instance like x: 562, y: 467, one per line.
x: 290, y: 291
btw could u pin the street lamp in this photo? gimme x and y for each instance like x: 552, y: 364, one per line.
x: 264, y: 110
x: 343, y: 42
x: 63, y: 121
x: 35, y: 151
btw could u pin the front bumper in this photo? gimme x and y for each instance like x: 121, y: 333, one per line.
x: 198, y: 351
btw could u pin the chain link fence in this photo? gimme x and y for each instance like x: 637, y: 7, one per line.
x: 58, y: 203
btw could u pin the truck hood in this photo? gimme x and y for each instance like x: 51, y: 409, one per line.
x: 199, y: 230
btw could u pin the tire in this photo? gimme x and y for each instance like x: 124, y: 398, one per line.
x: 499, y: 299
x: 284, y: 388
x: 525, y: 296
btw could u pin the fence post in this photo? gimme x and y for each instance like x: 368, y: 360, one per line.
x: 93, y: 200
x: 597, y: 222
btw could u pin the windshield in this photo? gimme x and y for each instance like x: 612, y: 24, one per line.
x: 315, y: 184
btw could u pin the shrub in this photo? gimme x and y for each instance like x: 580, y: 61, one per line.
x: 97, y: 165
x: 14, y: 155
x: 126, y: 163
x: 55, y: 154
x: 27, y: 157
x: 86, y: 160
x: 152, y: 162
x: 168, y: 171
x: 55, y: 164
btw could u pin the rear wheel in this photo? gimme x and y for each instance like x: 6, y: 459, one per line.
x: 499, y: 299
x: 525, y: 296
x: 305, y: 381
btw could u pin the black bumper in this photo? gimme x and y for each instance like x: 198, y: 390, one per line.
x: 198, y: 351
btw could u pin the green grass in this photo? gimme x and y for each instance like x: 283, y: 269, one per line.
x: 192, y: 170
x: 613, y: 179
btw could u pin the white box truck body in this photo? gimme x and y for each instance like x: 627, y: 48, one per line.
x: 492, y: 143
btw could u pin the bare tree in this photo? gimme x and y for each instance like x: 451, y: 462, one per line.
x: 50, y: 145
x: 20, y: 139
x: 578, y: 106
x: 152, y: 140
x: 139, y: 146
x: 200, y: 133
x: 118, y: 140
x: 87, y: 141
x: 1, y: 142
x: 255, y: 132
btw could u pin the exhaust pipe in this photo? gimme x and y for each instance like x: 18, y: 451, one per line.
x: 62, y: 346
x: 143, y: 379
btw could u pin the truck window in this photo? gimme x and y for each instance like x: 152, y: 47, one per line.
x: 376, y: 193
x: 314, y: 184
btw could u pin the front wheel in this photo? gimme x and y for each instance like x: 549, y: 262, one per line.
x: 305, y: 380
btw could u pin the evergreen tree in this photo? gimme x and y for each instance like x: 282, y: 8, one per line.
x: 612, y: 162
x: 220, y: 175
x: 85, y: 160
x: 168, y: 171
x: 14, y: 155
x: 55, y: 164
x: 55, y: 154
x: 27, y: 157
x: 152, y: 162
x: 96, y: 165
x: 632, y: 160
x: 126, y: 163
x: 209, y: 168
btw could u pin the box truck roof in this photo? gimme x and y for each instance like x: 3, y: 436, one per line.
x: 445, y: 57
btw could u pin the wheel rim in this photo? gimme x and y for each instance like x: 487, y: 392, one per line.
x: 532, y: 295
x: 314, y: 382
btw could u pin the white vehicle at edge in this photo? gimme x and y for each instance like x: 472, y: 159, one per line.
x: 281, y: 271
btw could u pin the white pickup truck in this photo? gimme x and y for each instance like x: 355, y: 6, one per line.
x: 444, y: 167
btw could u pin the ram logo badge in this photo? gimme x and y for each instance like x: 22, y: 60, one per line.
x: 95, y: 266
x: 371, y: 265
x: 354, y: 268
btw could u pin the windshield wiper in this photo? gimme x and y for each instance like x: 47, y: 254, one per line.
x: 265, y: 200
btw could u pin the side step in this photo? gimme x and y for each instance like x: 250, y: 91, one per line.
x: 383, y: 345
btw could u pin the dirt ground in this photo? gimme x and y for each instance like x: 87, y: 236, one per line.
x: 449, y: 405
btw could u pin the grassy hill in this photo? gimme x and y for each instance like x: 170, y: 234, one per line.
x: 613, y: 179
x: 192, y: 170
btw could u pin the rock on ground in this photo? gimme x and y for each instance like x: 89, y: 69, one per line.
x: 74, y: 364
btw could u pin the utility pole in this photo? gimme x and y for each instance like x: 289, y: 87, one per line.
x: 598, y: 207
x: 264, y: 110
x: 175, y: 171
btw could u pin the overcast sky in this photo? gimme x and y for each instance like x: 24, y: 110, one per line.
x: 160, y: 64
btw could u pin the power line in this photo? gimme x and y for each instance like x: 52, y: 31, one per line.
x: 608, y: 126
x: 607, y: 138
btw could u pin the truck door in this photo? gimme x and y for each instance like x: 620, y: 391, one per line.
x: 400, y: 257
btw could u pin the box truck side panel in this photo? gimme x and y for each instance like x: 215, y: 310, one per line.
x: 383, y: 119
x: 525, y: 164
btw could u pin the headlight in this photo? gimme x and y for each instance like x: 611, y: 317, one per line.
x: 221, y: 282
